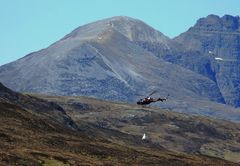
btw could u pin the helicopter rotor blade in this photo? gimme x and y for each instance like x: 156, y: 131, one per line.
x: 153, y: 93
x: 167, y: 96
x: 139, y: 95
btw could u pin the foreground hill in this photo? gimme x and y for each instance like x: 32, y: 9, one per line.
x: 33, y: 132
x: 171, y: 130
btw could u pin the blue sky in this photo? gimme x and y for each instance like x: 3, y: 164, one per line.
x: 30, y: 25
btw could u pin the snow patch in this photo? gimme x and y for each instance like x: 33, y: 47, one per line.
x: 219, y: 59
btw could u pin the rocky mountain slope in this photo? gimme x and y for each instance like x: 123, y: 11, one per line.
x: 217, y: 40
x: 120, y: 57
x: 210, y: 48
x: 99, y: 60
x: 29, y: 137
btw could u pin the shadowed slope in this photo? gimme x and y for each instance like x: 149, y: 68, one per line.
x: 210, y: 38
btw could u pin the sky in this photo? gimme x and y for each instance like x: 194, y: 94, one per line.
x: 30, y: 25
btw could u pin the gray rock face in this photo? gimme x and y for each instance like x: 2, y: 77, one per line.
x: 211, y: 48
x: 217, y: 41
x: 118, y: 58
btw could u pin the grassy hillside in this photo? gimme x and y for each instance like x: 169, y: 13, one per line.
x: 165, y: 129
x: 32, y: 134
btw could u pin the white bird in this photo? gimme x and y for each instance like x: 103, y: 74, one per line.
x: 144, y: 136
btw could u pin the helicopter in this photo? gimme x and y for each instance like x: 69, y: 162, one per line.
x: 147, y: 100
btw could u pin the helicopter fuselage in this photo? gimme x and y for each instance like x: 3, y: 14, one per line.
x: 149, y: 100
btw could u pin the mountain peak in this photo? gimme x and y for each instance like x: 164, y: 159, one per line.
x: 122, y: 18
x: 214, y: 22
x: 133, y: 29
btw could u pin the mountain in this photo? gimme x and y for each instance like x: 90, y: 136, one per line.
x: 99, y: 60
x: 217, y: 41
x: 32, y: 133
x: 119, y: 59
